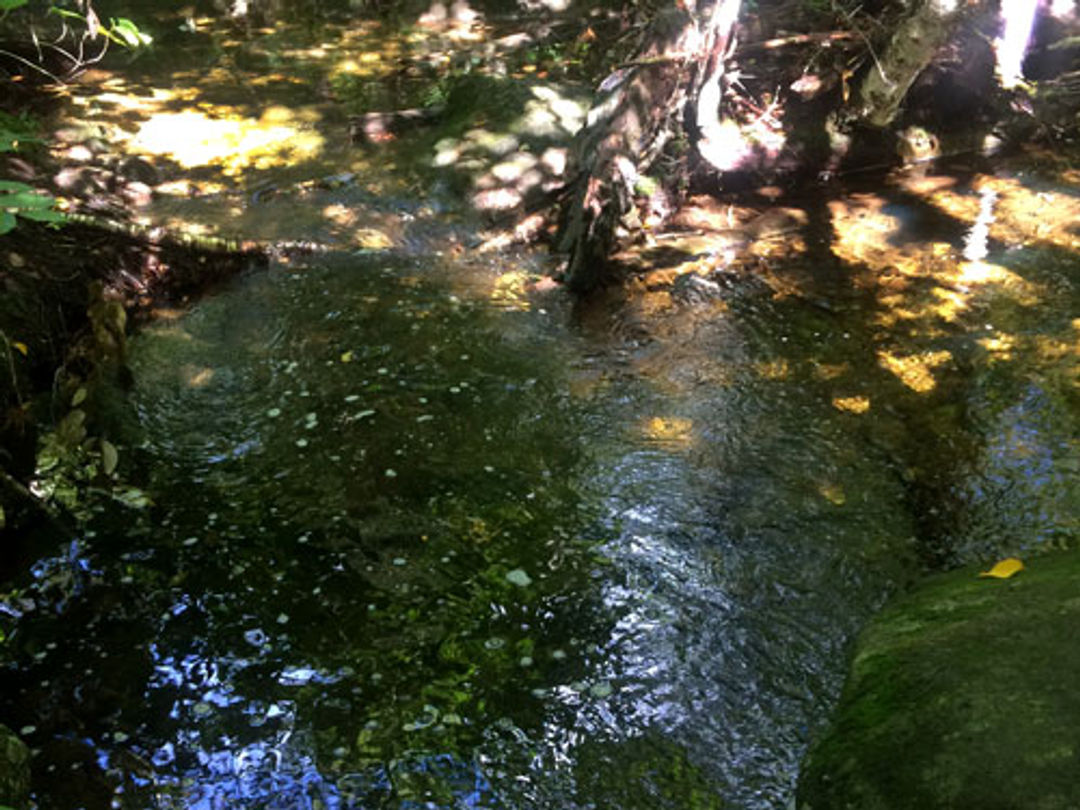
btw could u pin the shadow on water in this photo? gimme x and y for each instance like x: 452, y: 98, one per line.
x: 412, y: 548
x: 416, y: 541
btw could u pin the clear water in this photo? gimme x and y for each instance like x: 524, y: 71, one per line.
x: 410, y: 548
x: 414, y: 544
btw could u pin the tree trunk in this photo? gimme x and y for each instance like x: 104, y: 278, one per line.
x: 681, y: 62
x: 908, y: 52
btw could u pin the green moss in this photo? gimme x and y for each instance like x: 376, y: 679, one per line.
x: 962, y: 694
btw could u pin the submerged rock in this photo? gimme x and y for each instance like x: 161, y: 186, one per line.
x: 14, y: 771
x: 962, y: 694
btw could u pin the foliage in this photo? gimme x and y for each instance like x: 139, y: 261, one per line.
x: 120, y: 30
x: 71, y: 463
x: 18, y: 200
x: 16, y: 131
x: 64, y: 36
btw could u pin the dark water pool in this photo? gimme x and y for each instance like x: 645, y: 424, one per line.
x: 416, y: 544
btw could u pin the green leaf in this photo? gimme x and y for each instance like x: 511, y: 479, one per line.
x: 26, y: 199
x: 72, y: 430
x: 129, y: 33
x: 42, y: 216
x: 132, y: 497
x: 79, y: 397
x: 109, y: 457
x: 6, y: 6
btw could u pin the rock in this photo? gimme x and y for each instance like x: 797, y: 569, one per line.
x: 136, y: 194
x: 962, y: 694
x: 140, y: 170
x: 14, y: 771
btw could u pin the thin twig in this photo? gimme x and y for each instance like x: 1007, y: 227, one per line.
x: 866, y: 41
x: 11, y: 367
x: 32, y: 66
x: 796, y: 39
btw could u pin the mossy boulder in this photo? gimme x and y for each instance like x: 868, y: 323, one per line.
x: 964, y: 693
x: 14, y: 771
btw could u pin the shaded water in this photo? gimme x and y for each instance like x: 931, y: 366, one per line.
x: 420, y: 540
x: 416, y: 543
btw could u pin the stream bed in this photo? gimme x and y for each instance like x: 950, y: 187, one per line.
x: 415, y: 535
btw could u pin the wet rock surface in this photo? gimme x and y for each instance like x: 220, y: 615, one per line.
x: 961, y: 694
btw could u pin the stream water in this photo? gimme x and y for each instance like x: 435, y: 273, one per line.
x: 418, y: 539
x: 412, y: 545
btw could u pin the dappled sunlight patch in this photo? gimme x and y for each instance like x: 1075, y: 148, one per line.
x: 1000, y: 347
x: 368, y: 64
x: 857, y: 404
x: 173, y: 331
x: 928, y: 186
x: 508, y: 158
x: 1057, y: 352
x: 150, y: 100
x: 923, y: 283
x: 777, y: 369
x: 974, y: 274
x: 196, y: 376
x: 169, y: 314
x: 192, y: 138
x: 340, y: 215
x: 371, y: 239
x: 455, y: 20
x: 933, y: 302
x: 550, y: 115
x: 863, y: 230
x: 1028, y: 215
x: 1021, y: 215
x: 182, y: 224
x: 949, y: 304
x: 672, y: 431
x: 510, y: 291
x: 497, y: 199
x: 186, y: 187
x: 831, y: 371
x: 916, y: 370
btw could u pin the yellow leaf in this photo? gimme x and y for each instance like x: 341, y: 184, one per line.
x: 347, y: 357
x: 833, y: 493
x: 22, y: 348
x: 852, y: 404
x: 1004, y: 569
